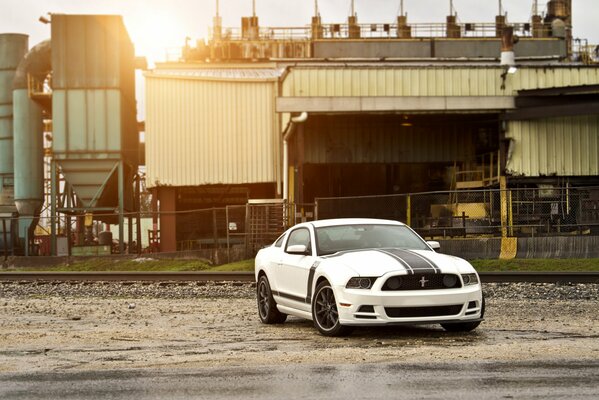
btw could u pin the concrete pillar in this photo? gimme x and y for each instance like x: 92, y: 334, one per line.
x: 167, y: 196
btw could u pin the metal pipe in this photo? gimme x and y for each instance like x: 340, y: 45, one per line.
x: 286, y: 136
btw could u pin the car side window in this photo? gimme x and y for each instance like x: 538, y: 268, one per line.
x: 299, y: 236
x: 279, y: 241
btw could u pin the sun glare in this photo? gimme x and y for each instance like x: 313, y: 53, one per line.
x: 157, y: 36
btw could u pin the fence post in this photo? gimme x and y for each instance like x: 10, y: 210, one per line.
x: 510, y: 214
x: 409, y: 210
x: 5, y: 242
x: 503, y: 204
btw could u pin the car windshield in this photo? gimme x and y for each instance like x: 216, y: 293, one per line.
x: 331, y: 239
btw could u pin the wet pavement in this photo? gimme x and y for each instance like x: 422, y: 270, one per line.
x: 463, y: 380
x: 56, y: 346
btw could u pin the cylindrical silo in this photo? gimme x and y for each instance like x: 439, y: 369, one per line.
x: 28, y: 142
x: 13, y: 47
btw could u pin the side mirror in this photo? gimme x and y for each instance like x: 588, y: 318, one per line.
x: 434, y: 245
x: 300, y: 249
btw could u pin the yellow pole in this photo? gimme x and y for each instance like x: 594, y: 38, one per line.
x: 503, y: 205
x: 510, y: 214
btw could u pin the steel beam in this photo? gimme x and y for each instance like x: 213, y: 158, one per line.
x: 389, y: 104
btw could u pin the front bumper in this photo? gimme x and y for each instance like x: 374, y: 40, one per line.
x: 409, y: 306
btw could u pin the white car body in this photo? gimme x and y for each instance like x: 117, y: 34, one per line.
x: 293, y: 280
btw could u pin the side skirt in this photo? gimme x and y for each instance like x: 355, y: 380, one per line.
x: 295, y: 312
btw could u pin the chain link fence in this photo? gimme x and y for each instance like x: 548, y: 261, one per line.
x: 224, y: 234
x: 513, y: 212
x: 237, y: 232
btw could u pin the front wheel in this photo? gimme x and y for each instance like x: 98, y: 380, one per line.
x: 267, y: 308
x: 465, y: 326
x: 325, y: 313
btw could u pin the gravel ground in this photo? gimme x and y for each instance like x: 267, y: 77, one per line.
x: 239, y: 290
x: 78, y: 326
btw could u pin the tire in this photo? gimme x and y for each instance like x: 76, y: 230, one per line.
x: 465, y: 326
x: 267, y: 308
x: 324, y: 312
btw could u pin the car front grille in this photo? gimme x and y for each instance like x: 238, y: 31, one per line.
x: 415, y: 312
x: 416, y: 282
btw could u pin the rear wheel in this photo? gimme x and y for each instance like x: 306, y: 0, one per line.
x: 465, y: 326
x: 325, y: 313
x: 267, y: 308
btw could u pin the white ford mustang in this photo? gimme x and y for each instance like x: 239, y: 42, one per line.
x: 355, y: 272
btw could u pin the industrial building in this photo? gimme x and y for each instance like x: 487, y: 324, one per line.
x: 370, y: 109
x: 257, y: 117
x: 69, y: 133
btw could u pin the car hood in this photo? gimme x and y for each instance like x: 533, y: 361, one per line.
x: 377, y: 262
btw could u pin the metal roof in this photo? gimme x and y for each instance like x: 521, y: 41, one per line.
x: 226, y: 74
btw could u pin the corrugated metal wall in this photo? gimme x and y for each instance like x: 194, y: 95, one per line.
x: 383, y: 139
x: 556, y: 146
x: 201, y: 132
x: 428, y: 81
x: 95, y: 53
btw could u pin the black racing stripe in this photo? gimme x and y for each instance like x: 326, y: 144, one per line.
x: 289, y: 296
x: 417, y: 263
x: 435, y: 266
x: 398, y: 259
x: 311, y: 281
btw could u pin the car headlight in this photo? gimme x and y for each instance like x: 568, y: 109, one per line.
x: 470, y: 279
x: 360, y: 283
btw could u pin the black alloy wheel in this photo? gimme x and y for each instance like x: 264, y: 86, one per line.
x: 267, y: 308
x: 325, y: 313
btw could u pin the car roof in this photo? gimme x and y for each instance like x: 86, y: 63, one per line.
x: 350, y: 221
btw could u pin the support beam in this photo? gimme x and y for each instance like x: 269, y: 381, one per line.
x: 53, y: 194
x: 386, y: 104
x: 138, y: 211
x: 121, y: 190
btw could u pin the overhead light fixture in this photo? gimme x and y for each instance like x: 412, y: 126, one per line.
x: 512, y: 70
x: 406, y: 121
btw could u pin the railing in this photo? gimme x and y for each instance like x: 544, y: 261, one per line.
x: 585, y: 52
x: 485, y: 173
x: 379, y: 31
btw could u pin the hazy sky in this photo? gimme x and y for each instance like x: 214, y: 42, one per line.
x: 155, y: 25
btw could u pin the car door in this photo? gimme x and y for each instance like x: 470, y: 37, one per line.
x: 292, y: 278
